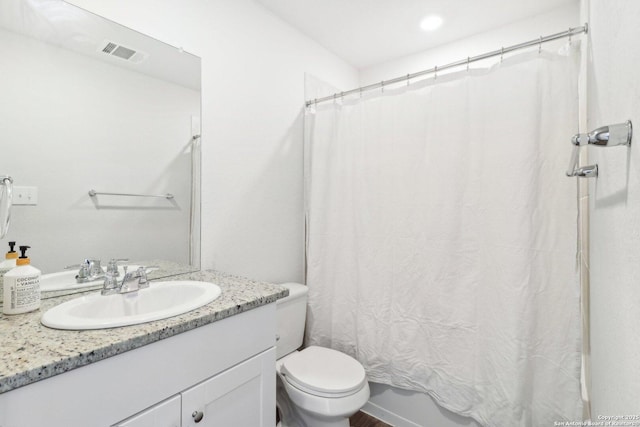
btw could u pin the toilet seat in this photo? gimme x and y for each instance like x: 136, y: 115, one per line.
x: 324, y: 372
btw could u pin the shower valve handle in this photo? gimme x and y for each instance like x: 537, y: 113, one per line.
x: 605, y: 136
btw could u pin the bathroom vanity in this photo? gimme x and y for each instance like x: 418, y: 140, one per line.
x: 212, y: 366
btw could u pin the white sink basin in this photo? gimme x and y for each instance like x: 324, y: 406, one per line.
x: 159, y: 301
x: 66, y: 280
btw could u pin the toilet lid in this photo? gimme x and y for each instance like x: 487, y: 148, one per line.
x: 324, y: 372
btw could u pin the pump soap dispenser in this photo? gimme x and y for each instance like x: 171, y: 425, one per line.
x: 21, y: 287
x: 9, y: 262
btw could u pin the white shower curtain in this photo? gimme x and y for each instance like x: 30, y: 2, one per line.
x: 441, y: 238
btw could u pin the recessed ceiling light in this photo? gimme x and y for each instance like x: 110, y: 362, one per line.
x: 431, y: 22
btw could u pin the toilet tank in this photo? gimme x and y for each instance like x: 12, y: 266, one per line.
x: 291, y: 313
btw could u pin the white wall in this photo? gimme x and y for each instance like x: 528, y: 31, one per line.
x: 71, y: 123
x: 405, y: 408
x: 253, y: 93
x: 614, y: 96
x: 541, y: 25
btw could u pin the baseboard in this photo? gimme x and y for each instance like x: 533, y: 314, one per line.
x: 387, y: 416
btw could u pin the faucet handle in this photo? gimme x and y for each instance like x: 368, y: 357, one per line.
x: 133, y: 281
x: 112, y: 267
x: 85, y: 270
x: 141, y: 273
x: 94, y: 267
x: 110, y: 285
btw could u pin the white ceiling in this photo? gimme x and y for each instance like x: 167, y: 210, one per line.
x: 368, y: 32
x: 63, y: 24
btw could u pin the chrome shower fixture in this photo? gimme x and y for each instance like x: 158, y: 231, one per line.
x: 605, y: 136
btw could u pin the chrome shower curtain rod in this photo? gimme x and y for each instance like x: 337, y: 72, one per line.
x: 570, y: 32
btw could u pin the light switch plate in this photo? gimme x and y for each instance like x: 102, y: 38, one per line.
x: 25, y: 195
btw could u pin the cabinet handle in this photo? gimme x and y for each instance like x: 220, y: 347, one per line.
x: 197, y: 416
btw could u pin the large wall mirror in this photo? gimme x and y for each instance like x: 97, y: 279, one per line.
x: 87, y: 104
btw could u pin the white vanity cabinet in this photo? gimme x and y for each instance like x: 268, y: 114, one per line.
x: 231, y: 398
x: 225, y: 369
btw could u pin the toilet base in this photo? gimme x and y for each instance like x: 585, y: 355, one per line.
x: 295, y: 416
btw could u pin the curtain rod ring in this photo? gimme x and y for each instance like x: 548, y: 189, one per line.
x: 501, y: 54
x: 468, y: 60
x: 540, y: 45
x: 408, y: 78
x: 435, y: 72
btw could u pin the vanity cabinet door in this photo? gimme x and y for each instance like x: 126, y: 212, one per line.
x: 242, y: 396
x: 164, y: 414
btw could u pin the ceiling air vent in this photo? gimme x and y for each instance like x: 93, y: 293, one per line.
x: 109, y: 47
x: 115, y: 49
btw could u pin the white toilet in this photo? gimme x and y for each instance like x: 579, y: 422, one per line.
x: 317, y: 387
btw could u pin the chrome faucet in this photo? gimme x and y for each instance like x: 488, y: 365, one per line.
x: 131, y: 281
x: 89, y: 270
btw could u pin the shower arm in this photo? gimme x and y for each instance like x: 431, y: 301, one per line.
x: 605, y: 136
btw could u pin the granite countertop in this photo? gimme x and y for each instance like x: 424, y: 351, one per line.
x: 31, y: 352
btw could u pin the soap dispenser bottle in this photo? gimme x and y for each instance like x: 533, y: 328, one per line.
x: 21, y: 286
x: 9, y: 262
